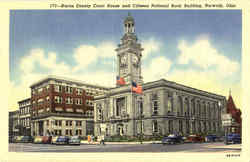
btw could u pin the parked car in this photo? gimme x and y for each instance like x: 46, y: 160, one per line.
x: 54, y: 139
x: 62, y: 140
x: 26, y: 139
x: 232, y: 138
x: 195, y: 138
x: 38, y: 139
x: 75, y: 140
x: 18, y: 139
x: 172, y: 139
x: 211, y: 138
x: 46, y: 139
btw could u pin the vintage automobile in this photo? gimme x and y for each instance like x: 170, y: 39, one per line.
x: 18, y: 139
x: 232, y: 138
x: 211, y: 138
x: 26, y: 139
x: 38, y: 139
x: 62, y: 140
x: 46, y: 139
x: 172, y: 139
x: 75, y: 140
x: 195, y: 138
x: 54, y: 139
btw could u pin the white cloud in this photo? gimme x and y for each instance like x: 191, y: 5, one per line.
x: 150, y: 46
x: 84, y: 55
x: 88, y: 54
x: 204, y: 55
x: 158, y: 69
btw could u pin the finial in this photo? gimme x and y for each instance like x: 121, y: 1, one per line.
x: 230, y: 92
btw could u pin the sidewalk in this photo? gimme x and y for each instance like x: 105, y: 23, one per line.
x: 230, y: 146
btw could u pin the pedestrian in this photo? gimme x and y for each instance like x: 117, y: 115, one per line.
x: 89, y: 138
x: 102, y: 140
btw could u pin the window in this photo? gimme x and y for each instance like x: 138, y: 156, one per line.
x: 47, y: 122
x: 40, y: 90
x: 180, y: 126
x: 47, y: 98
x: 155, y: 104
x: 66, y: 132
x: 78, y: 123
x: 193, y: 106
x: 58, y: 99
x: 69, y: 100
x: 58, y: 88
x: 155, y: 107
x: 78, y: 132
x: 40, y: 101
x: 68, y: 89
x: 120, y: 105
x: 68, y: 123
x: 209, y: 110
x: 170, y: 103
x: 33, y: 92
x: 58, y: 122
x: 186, y: 107
x: 59, y: 132
x: 155, y: 126
x: 99, y: 114
x: 205, y: 109
x: 79, y: 91
x: 78, y: 101
x: 47, y: 87
x: 187, y: 127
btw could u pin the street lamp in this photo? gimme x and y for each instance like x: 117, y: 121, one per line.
x: 140, y: 106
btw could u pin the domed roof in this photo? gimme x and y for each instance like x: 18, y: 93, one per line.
x: 129, y: 18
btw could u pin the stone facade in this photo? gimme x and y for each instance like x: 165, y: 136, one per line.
x: 164, y: 108
x: 167, y: 108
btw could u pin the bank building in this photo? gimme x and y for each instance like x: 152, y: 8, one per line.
x: 164, y: 107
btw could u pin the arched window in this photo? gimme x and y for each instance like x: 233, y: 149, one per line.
x: 186, y: 107
x: 180, y: 106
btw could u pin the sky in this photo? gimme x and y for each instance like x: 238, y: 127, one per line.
x: 197, y: 48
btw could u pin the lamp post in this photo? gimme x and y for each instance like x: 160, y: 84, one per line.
x: 140, y: 106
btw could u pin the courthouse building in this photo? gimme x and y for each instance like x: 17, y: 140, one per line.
x: 61, y: 106
x: 165, y: 107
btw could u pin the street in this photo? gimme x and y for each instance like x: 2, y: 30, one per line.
x: 187, y: 147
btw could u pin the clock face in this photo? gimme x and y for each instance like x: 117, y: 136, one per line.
x: 124, y: 59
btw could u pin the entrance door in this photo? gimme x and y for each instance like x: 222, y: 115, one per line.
x: 40, y: 124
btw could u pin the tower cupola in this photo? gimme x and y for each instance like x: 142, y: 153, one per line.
x: 129, y: 24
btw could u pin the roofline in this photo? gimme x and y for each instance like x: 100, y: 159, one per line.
x: 51, y: 77
x: 174, y: 84
x: 27, y: 99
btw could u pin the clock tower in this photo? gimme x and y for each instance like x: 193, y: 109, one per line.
x: 129, y: 54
